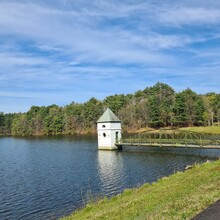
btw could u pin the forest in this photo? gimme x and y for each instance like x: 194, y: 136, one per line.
x: 157, y: 106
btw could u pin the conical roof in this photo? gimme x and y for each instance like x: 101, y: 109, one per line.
x: 108, y: 116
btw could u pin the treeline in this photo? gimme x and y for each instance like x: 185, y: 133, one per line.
x: 157, y: 106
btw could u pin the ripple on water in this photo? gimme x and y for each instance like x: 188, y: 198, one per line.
x: 46, y: 178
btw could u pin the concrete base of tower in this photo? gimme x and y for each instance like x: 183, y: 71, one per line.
x: 107, y: 148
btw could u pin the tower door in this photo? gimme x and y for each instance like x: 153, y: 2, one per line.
x: 116, y: 137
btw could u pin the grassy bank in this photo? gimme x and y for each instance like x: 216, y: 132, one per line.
x: 215, y: 130
x: 207, y: 130
x: 179, y: 196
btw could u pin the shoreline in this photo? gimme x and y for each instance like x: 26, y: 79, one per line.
x: 209, y: 130
x: 170, y: 197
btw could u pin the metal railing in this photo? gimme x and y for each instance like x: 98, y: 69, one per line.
x: 173, y: 137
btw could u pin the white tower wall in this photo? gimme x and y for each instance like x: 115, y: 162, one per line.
x: 109, y: 130
x: 109, y: 133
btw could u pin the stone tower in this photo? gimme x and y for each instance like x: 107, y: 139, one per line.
x: 109, y: 131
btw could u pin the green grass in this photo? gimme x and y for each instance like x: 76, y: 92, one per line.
x: 207, y: 130
x: 179, y: 196
x: 203, y: 129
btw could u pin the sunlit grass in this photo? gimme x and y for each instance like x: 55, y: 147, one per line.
x: 203, y: 129
x: 207, y: 130
x: 179, y: 196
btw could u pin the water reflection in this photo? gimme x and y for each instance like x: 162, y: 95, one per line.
x: 46, y: 178
x: 110, y: 167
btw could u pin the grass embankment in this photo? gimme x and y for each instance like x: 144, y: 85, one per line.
x: 179, y: 196
x: 215, y: 130
x: 207, y: 130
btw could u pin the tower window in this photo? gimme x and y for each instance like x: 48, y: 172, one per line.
x: 103, y: 126
x: 104, y: 134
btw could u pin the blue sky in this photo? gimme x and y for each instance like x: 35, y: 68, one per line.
x: 59, y: 51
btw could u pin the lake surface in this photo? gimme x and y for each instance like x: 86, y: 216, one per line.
x: 47, y: 178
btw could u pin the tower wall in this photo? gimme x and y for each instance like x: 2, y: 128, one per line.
x: 108, y: 134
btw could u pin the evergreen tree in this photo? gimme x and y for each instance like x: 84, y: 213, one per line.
x: 156, y: 106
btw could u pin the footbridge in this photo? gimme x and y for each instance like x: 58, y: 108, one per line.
x: 171, y: 138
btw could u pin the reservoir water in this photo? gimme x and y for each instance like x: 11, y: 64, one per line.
x: 49, y: 177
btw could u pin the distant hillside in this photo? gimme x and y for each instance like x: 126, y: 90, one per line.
x: 156, y: 106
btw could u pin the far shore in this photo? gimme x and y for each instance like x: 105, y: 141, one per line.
x: 212, y: 130
x: 209, y: 130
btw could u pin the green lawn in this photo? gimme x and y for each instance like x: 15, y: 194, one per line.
x: 179, y: 196
x: 206, y: 130
x: 202, y: 129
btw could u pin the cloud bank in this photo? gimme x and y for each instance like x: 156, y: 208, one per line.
x: 62, y: 51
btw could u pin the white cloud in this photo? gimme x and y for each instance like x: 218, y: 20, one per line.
x: 77, y: 48
x: 76, y: 31
x: 20, y: 59
x: 179, y: 15
x: 46, y: 25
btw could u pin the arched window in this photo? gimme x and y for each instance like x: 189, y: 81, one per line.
x: 104, y: 134
x: 103, y: 126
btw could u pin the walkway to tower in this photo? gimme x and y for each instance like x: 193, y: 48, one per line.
x: 171, y: 138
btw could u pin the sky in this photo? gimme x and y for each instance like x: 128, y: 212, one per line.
x: 60, y: 51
